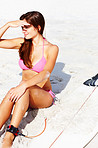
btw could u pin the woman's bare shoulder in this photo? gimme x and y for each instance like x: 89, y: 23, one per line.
x: 52, y: 47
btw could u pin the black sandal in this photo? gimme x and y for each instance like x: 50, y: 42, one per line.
x: 92, y: 81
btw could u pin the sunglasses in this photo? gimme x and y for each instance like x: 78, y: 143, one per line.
x: 25, y: 27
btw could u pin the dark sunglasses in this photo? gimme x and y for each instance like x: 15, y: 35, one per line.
x: 25, y: 27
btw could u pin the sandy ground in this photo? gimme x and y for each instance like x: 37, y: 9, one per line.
x: 77, y: 62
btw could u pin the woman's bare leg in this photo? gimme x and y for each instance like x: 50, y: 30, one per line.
x: 20, y: 108
x: 5, y: 110
x: 37, y: 98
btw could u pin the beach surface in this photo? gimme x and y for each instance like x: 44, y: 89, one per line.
x: 77, y: 39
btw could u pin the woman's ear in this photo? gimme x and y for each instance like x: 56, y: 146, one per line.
x: 39, y: 28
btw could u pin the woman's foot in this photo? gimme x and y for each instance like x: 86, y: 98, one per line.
x: 8, y: 140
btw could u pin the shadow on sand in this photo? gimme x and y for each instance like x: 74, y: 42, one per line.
x: 59, y: 79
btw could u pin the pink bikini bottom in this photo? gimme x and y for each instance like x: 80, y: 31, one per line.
x: 53, y: 95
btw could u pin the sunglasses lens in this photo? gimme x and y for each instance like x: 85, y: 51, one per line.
x: 25, y: 27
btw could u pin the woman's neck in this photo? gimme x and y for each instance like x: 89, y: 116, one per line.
x: 38, y: 40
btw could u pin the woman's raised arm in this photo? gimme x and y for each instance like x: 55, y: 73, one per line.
x: 11, y: 43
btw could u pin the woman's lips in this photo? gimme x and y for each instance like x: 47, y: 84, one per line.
x: 25, y: 34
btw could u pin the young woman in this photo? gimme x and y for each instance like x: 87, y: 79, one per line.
x: 37, y: 60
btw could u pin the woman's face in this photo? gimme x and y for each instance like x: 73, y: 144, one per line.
x: 29, y: 31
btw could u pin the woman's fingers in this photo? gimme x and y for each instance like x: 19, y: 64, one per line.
x: 24, y: 23
x: 16, y: 92
x: 14, y: 98
x: 17, y: 23
x: 12, y: 95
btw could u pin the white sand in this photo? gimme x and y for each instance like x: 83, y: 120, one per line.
x: 77, y: 61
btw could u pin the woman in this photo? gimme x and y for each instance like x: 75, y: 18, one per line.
x: 37, y: 60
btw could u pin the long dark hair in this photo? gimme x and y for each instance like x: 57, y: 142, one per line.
x: 36, y: 19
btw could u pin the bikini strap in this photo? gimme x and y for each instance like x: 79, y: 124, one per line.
x: 43, y: 47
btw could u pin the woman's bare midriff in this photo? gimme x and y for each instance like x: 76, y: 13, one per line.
x: 28, y: 74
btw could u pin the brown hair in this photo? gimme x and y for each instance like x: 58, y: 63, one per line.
x: 36, y: 19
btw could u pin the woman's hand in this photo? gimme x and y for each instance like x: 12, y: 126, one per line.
x: 17, y: 23
x: 16, y: 92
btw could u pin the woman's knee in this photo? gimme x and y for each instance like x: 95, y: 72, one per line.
x: 7, y: 96
x: 6, y: 103
x: 34, y: 90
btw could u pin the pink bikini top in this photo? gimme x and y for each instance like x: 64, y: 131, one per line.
x: 38, y: 67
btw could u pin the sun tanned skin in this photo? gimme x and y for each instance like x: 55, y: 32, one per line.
x: 32, y: 89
